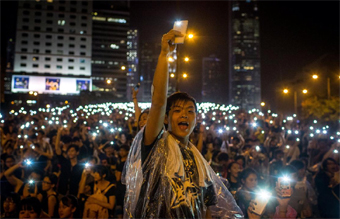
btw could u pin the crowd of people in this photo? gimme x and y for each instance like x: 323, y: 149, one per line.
x: 58, y: 162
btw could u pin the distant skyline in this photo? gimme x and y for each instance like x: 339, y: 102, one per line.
x: 293, y: 34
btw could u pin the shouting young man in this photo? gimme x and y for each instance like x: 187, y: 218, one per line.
x: 165, y: 175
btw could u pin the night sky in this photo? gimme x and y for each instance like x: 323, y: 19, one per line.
x: 292, y: 34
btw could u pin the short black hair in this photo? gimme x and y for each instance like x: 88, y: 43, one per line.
x: 125, y: 147
x: 288, y: 170
x: 71, y: 201
x: 76, y: 147
x: 324, y: 163
x: 66, y: 139
x: 242, y: 158
x: 298, y: 164
x: 178, y: 97
x: 53, y: 178
x: 101, y: 170
x: 246, y: 172
x: 31, y: 203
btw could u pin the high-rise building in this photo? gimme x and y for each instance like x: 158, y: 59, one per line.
x: 212, y: 81
x: 149, y: 53
x: 109, y: 47
x: 244, y: 55
x: 132, y: 60
x: 53, y: 47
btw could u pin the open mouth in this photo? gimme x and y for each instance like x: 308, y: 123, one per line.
x: 183, y: 125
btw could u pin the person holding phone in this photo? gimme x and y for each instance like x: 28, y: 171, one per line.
x: 165, y: 175
x: 29, y: 187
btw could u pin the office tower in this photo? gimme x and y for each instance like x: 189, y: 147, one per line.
x: 149, y: 53
x: 244, y: 55
x: 53, y: 47
x: 212, y: 81
x: 132, y: 62
x: 109, y: 47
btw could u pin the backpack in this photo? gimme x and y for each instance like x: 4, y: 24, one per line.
x: 94, y: 210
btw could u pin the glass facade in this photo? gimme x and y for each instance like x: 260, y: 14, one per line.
x: 244, y: 70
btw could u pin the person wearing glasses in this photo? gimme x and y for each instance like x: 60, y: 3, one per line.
x: 50, y: 199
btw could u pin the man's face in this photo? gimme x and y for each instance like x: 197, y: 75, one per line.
x: 72, y: 153
x: 182, y: 119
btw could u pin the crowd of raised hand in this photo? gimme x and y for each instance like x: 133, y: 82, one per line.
x: 67, y: 163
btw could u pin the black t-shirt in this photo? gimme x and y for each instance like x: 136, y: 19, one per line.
x: 182, y: 192
x: 69, y: 176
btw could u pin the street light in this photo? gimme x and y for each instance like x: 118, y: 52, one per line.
x: 123, y: 68
x: 170, y: 59
x: 108, y: 81
x: 263, y: 103
x: 304, y: 91
x: 186, y: 59
x: 328, y: 85
x: 172, y: 75
x: 190, y: 36
x: 185, y: 75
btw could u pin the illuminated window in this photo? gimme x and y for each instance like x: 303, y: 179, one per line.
x: 116, y: 20
x: 35, y: 58
x: 114, y: 46
x: 61, y: 22
x: 99, y: 18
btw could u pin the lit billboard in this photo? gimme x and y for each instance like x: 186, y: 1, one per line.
x: 50, y: 84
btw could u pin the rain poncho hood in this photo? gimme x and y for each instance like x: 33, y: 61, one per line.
x: 160, y: 188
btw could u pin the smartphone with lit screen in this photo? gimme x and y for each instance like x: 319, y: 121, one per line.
x: 284, y: 186
x: 260, y: 202
x: 182, y: 27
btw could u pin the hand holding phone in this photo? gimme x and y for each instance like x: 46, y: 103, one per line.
x: 284, y: 187
x: 259, y: 204
x: 182, y: 27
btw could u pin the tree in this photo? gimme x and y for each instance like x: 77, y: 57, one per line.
x: 321, y: 109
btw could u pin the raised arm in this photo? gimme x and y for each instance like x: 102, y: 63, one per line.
x: 135, y: 105
x: 57, y: 143
x: 160, y: 88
